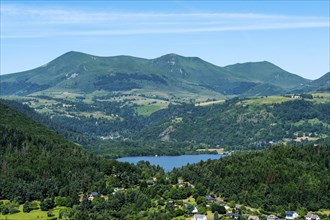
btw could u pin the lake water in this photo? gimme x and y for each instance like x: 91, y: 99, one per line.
x: 170, y: 162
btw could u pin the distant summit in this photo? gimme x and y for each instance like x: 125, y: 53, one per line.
x: 170, y: 75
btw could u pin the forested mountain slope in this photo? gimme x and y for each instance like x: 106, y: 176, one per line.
x: 36, y: 163
x: 321, y: 84
x: 241, y: 124
x: 276, y: 179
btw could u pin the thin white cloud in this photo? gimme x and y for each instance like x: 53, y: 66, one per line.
x: 19, y: 21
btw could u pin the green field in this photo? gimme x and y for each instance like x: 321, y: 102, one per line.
x: 33, y: 215
x: 267, y: 100
x: 148, y: 106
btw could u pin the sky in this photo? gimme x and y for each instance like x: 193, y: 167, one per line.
x: 293, y: 35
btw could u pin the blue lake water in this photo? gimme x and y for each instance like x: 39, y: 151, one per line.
x: 170, y: 162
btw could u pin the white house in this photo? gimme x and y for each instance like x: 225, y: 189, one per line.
x: 311, y: 216
x: 291, y: 215
x: 199, y: 217
x: 253, y: 217
x: 195, y: 210
x: 272, y: 217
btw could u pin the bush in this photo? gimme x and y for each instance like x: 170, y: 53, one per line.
x: 13, y: 210
x: 46, y: 204
x: 218, y: 208
x: 26, y: 207
x: 50, y: 213
x: 5, y: 211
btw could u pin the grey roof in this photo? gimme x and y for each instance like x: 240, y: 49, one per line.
x: 289, y: 213
x: 95, y: 193
x: 232, y: 215
x: 199, y: 216
x: 312, y: 216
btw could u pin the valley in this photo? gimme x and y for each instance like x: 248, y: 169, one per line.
x: 43, y: 174
x: 128, y: 106
x: 64, y: 125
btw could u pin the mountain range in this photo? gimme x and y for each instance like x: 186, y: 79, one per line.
x: 167, y: 76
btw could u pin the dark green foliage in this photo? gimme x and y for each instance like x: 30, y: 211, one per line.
x: 189, y: 209
x: 278, y: 178
x: 20, y: 88
x: 235, y: 125
x: 26, y: 207
x: 36, y: 163
x: 216, y: 216
x: 47, y: 204
x: 218, y: 208
x: 5, y: 211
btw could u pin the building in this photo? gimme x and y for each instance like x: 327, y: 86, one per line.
x: 199, y: 217
x: 233, y: 215
x: 291, y: 215
x: 272, y: 217
x: 311, y: 216
x: 209, y: 198
x: 92, y: 195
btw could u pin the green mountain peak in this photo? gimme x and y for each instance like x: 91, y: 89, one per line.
x: 170, y: 73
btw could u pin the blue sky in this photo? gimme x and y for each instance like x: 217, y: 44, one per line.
x: 291, y: 34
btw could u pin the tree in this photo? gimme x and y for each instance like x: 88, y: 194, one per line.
x: 218, y: 208
x: 47, y: 204
x: 216, y: 216
x: 189, y: 209
x: 5, y: 211
x: 26, y: 207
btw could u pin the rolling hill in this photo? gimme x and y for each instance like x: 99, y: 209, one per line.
x: 37, y: 163
x: 168, y: 76
x: 321, y: 84
x: 266, y: 72
x: 241, y: 124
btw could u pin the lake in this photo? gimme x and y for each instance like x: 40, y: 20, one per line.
x: 170, y: 162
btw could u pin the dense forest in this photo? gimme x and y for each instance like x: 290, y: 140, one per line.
x: 238, y: 125
x: 36, y: 163
x: 184, y: 128
x: 278, y: 178
x: 40, y: 169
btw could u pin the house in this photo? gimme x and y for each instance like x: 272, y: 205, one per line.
x: 237, y: 207
x: 92, y: 195
x: 233, y: 215
x: 195, y: 210
x: 253, y: 217
x: 199, y: 217
x: 311, y: 216
x: 117, y: 189
x: 291, y: 215
x: 209, y: 198
x: 272, y: 217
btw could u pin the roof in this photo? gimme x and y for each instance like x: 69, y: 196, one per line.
x: 95, y: 193
x: 233, y: 215
x: 312, y: 216
x: 199, y: 216
x: 209, y: 197
x: 289, y: 213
